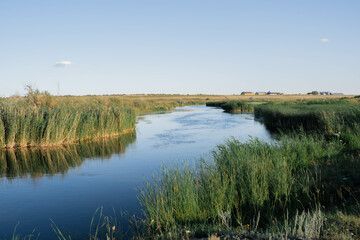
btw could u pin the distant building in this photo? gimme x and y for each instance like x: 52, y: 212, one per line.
x: 260, y: 93
x: 323, y: 93
x: 274, y: 93
x: 248, y: 93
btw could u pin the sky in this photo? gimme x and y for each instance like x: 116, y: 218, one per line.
x: 99, y: 47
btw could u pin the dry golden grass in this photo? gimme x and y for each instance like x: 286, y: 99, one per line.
x: 169, y: 98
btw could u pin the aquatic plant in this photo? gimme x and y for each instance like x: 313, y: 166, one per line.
x: 234, y: 106
x: 325, y: 117
x: 298, y: 172
x: 23, y: 126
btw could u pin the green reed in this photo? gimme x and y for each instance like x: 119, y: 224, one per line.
x: 39, y: 119
x: 329, y: 116
x: 243, y: 180
x: 234, y: 106
x: 316, y: 165
x: 23, y: 125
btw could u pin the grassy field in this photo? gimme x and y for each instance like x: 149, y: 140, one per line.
x: 39, y: 119
x: 299, y: 186
x: 243, y: 104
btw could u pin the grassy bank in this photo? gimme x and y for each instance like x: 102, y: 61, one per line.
x: 329, y: 116
x: 299, y: 186
x: 243, y: 180
x: 234, y: 106
x: 325, y: 117
x: 23, y: 125
x: 39, y: 119
x: 304, y: 185
x: 42, y: 120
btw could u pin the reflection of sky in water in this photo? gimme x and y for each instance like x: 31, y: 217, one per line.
x: 71, y: 198
x: 201, y: 123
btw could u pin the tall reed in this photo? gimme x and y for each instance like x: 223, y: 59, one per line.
x: 22, y: 125
x: 234, y: 106
x: 329, y: 117
x: 242, y: 180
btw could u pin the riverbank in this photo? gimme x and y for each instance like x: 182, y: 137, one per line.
x: 22, y: 125
x: 271, y: 182
x: 110, y: 181
x: 300, y: 186
x: 42, y: 120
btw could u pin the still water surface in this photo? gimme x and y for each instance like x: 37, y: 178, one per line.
x: 68, y: 184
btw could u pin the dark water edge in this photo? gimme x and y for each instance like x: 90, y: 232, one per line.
x: 69, y: 183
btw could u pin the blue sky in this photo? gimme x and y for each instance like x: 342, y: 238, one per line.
x: 186, y: 47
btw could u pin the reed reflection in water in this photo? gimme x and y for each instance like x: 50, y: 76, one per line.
x: 37, y: 162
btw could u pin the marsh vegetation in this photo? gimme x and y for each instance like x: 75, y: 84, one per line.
x: 234, y: 106
x: 303, y: 184
x: 41, y: 120
x: 24, y: 123
x: 260, y: 189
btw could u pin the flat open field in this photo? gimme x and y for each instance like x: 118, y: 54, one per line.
x: 201, y: 98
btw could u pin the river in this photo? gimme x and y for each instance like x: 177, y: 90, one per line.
x: 69, y: 183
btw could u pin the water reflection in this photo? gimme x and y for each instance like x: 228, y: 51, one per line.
x: 37, y: 162
x: 68, y: 184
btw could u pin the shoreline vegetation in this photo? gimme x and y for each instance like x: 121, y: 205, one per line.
x: 42, y: 120
x: 303, y: 185
x: 39, y: 120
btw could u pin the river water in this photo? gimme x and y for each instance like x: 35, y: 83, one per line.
x: 69, y: 183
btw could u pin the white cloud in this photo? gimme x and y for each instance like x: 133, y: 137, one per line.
x: 63, y: 64
x: 324, y: 40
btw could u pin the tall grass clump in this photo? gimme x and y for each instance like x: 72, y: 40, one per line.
x: 310, y: 167
x: 243, y: 180
x: 238, y: 106
x: 23, y: 125
x: 325, y: 117
x: 215, y: 104
x: 233, y: 106
x: 40, y: 119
